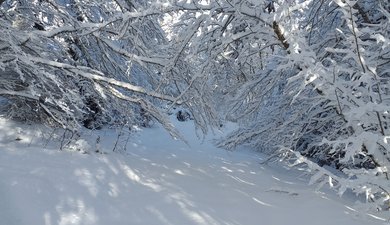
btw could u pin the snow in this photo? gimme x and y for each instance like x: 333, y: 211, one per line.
x: 157, y: 180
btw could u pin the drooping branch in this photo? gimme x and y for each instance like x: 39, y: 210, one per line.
x: 99, y: 76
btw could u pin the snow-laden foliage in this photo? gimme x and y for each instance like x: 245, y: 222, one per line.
x: 330, y: 102
x: 307, y: 77
x: 73, y: 63
x: 60, y: 55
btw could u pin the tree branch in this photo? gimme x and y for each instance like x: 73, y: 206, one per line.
x: 93, y: 75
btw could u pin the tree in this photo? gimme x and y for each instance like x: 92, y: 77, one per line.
x: 307, y: 79
x: 75, y: 63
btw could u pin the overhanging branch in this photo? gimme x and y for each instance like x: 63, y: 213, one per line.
x: 93, y: 75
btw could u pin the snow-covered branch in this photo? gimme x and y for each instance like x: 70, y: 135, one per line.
x: 98, y: 76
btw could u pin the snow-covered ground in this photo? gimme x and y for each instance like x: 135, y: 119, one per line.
x: 157, y: 180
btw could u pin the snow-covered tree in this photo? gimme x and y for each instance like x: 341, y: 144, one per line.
x: 73, y: 63
x: 307, y: 78
x: 326, y: 91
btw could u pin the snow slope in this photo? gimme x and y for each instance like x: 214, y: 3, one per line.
x: 156, y: 181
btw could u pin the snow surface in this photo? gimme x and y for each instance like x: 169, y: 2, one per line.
x: 157, y: 180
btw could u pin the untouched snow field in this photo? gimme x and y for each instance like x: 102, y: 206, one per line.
x: 157, y: 180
